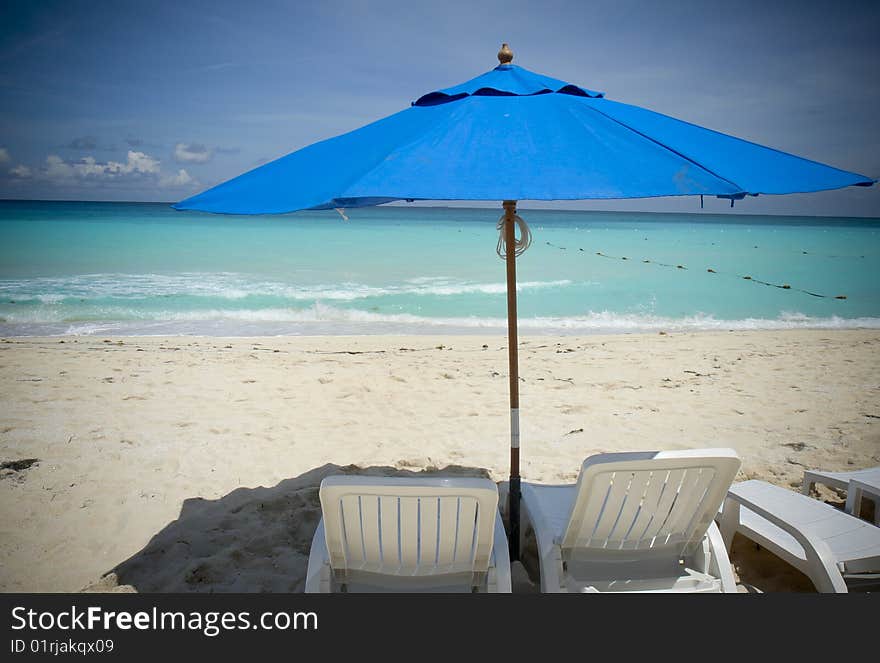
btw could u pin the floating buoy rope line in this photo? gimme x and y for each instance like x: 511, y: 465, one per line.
x: 744, y: 277
x: 525, y: 240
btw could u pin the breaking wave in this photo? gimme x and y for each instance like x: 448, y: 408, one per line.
x: 232, y: 286
x: 323, y: 319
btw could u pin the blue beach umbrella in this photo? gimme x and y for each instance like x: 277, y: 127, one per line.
x: 508, y: 135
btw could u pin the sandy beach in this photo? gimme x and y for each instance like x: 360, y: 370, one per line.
x: 191, y: 463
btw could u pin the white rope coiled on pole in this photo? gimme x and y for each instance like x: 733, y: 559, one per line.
x: 521, y: 244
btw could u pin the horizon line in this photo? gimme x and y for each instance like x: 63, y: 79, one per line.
x: 398, y: 205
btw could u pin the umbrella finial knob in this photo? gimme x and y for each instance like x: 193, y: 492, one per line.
x: 505, y: 55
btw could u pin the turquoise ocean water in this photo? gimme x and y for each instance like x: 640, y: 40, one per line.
x: 116, y: 268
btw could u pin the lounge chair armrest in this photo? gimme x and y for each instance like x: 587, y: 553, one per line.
x: 720, y: 562
x: 318, y: 573
x: 819, y: 555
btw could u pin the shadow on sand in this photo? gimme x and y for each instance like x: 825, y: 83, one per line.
x: 251, y: 540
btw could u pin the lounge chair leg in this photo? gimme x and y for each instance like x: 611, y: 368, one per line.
x: 853, y: 501
x: 729, y: 522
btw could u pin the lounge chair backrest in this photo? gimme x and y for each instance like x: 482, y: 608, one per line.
x: 635, y: 505
x: 409, y: 526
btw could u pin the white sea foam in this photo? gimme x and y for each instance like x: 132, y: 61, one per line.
x: 232, y: 286
x: 50, y: 298
x: 91, y: 328
x: 328, y: 320
x: 125, y: 303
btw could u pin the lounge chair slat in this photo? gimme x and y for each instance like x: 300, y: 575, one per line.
x: 448, y: 520
x: 466, y: 532
x: 587, y: 513
x: 354, y: 538
x: 608, y: 522
x: 654, y: 483
x: 389, y: 532
x: 370, y: 519
x: 409, y: 533
x: 429, y: 515
x: 656, y: 531
x: 688, y: 506
x: 624, y: 535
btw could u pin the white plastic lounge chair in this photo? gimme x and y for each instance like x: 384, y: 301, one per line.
x: 826, y: 544
x: 867, y: 485
x: 637, y: 522
x: 436, y: 534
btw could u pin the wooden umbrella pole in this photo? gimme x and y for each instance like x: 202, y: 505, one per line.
x: 513, y: 361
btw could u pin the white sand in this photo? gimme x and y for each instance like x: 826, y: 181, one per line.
x: 170, y: 440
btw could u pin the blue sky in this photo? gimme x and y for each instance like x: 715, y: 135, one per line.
x: 122, y: 100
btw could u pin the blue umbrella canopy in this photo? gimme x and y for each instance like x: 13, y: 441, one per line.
x: 553, y: 141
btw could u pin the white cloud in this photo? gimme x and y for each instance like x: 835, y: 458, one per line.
x: 192, y: 153
x: 139, y: 168
x: 137, y: 163
x: 57, y: 168
x: 142, y: 163
x: 4, y: 155
x: 182, y: 178
x: 21, y: 172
